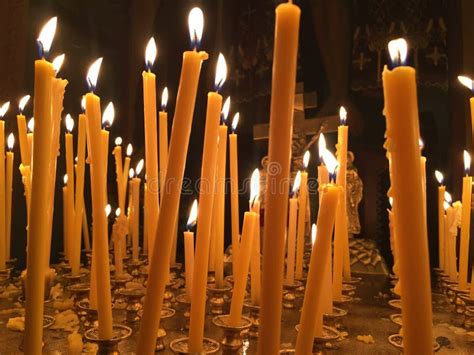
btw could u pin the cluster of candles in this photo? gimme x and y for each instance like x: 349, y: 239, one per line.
x: 164, y: 171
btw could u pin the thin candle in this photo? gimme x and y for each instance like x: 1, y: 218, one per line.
x: 8, y: 192
x: 22, y: 131
x: 441, y: 234
x: 163, y: 129
x: 292, y: 218
x: 189, y: 249
x: 234, y: 189
x: 3, y: 111
x: 465, y: 223
x: 302, y: 201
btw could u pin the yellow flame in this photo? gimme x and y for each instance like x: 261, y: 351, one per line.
x: 445, y: 205
x: 314, y: 229
x: 297, y: 182
x: 65, y: 178
x: 255, y: 185
x: 342, y: 115
x: 439, y: 176
x: 10, y: 141
x: 58, y: 63
x: 93, y: 73
x: 150, y: 52
x: 139, y: 167
x: 195, y: 24
x: 330, y: 161
x: 226, y: 108
x: 31, y: 124
x: 129, y: 150
x: 164, y: 98
x: 46, y: 35
x: 467, y: 161
x: 306, y: 159
x: 321, y: 145
x: 398, y: 50
x: 117, y: 212
x: 235, y: 121
x: 108, y: 208
x: 466, y: 81
x: 69, y: 123
x: 108, y: 115
x: 447, y: 197
x: 4, y: 109
x: 221, y: 72
x: 193, y: 214
x: 83, y: 103
x: 131, y: 172
x: 23, y: 101
x: 118, y: 141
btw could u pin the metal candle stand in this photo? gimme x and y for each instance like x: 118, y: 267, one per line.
x: 108, y: 346
x: 232, y: 342
x: 217, y: 298
x: 319, y: 343
x: 254, y: 318
x: 180, y: 346
x: 133, y: 298
x: 184, y: 301
x: 289, y: 296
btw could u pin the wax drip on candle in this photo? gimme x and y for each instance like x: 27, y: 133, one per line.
x: 254, y: 187
x: 10, y: 141
x: 31, y: 125
x: 46, y: 36
x: 196, y: 26
x: 23, y: 101
x: 235, y: 122
x: 306, y: 160
x: 314, y: 229
x: 467, y: 162
x: 321, y: 147
x: 221, y: 73
x: 150, y: 53
x: 108, y: 115
x: 439, y: 177
x: 192, y: 215
x: 296, y: 184
x: 225, y: 110
x: 331, y: 163
x: 58, y: 63
x: 164, y: 99
x: 4, y: 108
x: 93, y: 74
x: 466, y: 81
x: 69, y: 123
x: 118, y: 141
x: 398, y: 50
x: 342, y: 115
x: 139, y: 167
x: 129, y: 150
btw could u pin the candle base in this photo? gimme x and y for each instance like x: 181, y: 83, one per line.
x: 396, y: 340
x: 334, y: 319
x: 232, y: 342
x: 70, y: 279
x: 218, y: 298
x: 289, y: 296
x: 119, y: 282
x: 108, y: 346
x: 180, y: 346
x: 185, y: 305
x: 48, y: 321
x: 397, y: 304
x: 134, y: 305
x: 168, y: 297
x: 90, y: 315
x: 319, y: 344
x: 79, y: 291
x: 254, y: 317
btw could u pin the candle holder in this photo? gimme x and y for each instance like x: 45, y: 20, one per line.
x: 254, y: 312
x: 396, y: 318
x: 90, y: 314
x: 168, y: 297
x: 108, y: 346
x: 287, y: 351
x: 176, y: 268
x: 119, y: 283
x: 319, y: 343
x: 79, y: 291
x: 218, y: 298
x: 180, y: 346
x: 165, y: 314
x: 12, y: 263
x: 70, y: 279
x: 334, y: 319
x: 211, y: 279
x: 6, y: 272
x: 343, y: 300
x: 185, y: 303
x: 134, y: 305
x: 299, y: 292
x: 48, y: 321
x: 460, y: 300
x: 353, y: 280
x: 232, y: 342
x: 4, y: 281
x: 230, y: 279
x: 396, y: 340
x: 468, y: 322
x: 289, y: 296
x: 133, y: 267
x: 348, y: 289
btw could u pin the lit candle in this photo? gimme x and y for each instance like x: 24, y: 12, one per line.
x: 465, y: 223
x: 68, y: 139
x: 293, y: 209
x: 3, y: 111
x: 423, y: 173
x: 117, y: 152
x: 8, y: 192
x: 135, y: 185
x: 151, y: 144
x: 99, y: 194
x: 302, y: 201
x: 159, y: 269
x: 189, y: 250
x: 21, y: 122
x: 234, y: 189
x: 323, y: 174
x: 125, y: 170
x: 206, y: 200
x: 29, y: 136
x: 66, y: 217
x: 441, y: 236
x: 467, y: 82
x: 40, y: 197
x: 285, y: 50
x: 401, y: 111
x: 163, y: 126
x: 255, y: 269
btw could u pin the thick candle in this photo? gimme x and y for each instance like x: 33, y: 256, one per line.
x: 465, y: 223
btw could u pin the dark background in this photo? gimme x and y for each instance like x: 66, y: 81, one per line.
x: 342, y: 52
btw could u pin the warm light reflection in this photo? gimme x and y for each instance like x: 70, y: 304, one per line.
x: 150, y: 53
x: 139, y: 167
x: 445, y: 205
x: 467, y: 162
x: 10, y: 141
x: 398, y: 50
x: 192, y: 215
x: 69, y: 123
x: 235, y: 121
x: 439, y: 177
x: 390, y: 200
x: 131, y: 173
x: 297, y: 182
x: 93, y: 74
x: 118, y: 141
x: 46, y: 36
x: 58, y: 63
x: 330, y: 162
x: 108, y: 115
x: 196, y: 26
x: 221, y: 72
x: 225, y: 109
x: 314, y: 230
x: 255, y: 186
x: 421, y: 144
x: 164, y: 99
x: 23, y: 101
x: 31, y: 125
x: 4, y: 108
x: 83, y: 103
x: 342, y: 115
x: 321, y: 146
x: 447, y: 197
x: 129, y: 150
x: 65, y: 179
x: 117, y: 212
x: 108, y: 208
x: 306, y: 159
x: 466, y: 81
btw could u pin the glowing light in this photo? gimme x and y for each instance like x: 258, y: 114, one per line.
x: 314, y: 229
x: 108, y: 115
x: 23, y: 101
x: 321, y: 146
x: 129, y: 150
x: 93, y: 74
x: 150, y: 53
x: 164, y: 99
x: 10, y: 141
x: 69, y: 123
x: 235, y: 121
x: 225, y: 109
x: 342, y: 115
x: 467, y: 162
x: 108, y: 209
x: 4, y: 108
x: 83, y: 103
x: 131, y: 173
x: 390, y: 200
x: 467, y: 82
x: 445, y: 205
x: 306, y: 159
x: 31, y: 125
x: 192, y: 215
x: 439, y: 176
x: 255, y: 186
x: 221, y: 72
x: 398, y: 50
x: 118, y: 141
x: 65, y: 179
x: 330, y: 161
x: 46, y: 36
x: 297, y: 182
x: 447, y: 197
x: 117, y: 212
x: 58, y: 63
x: 421, y: 144
x: 139, y: 167
x: 196, y: 26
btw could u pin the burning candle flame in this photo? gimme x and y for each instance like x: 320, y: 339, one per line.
x: 117, y: 212
x: 225, y: 109
x: 445, y: 205
x: 139, y: 167
x: 297, y: 182
x: 118, y: 141
x: 321, y: 146
x: 255, y: 186
x: 150, y: 53
x: 466, y: 81
x: 164, y: 99
x: 398, y: 50
x: 192, y: 215
x: 221, y: 72
x: 93, y: 74
x: 342, y: 115
x: 390, y: 200
x: 65, y: 179
x: 23, y: 101
x: 108, y: 208
x: 31, y: 124
x: 10, y: 141
x: 314, y: 229
x: 467, y: 162
x: 108, y: 115
x: 235, y: 121
x: 447, y: 197
x: 421, y: 144
x: 439, y: 176
x: 306, y: 159
x: 196, y: 26
x: 331, y: 162
x: 69, y: 123
x: 131, y: 172
x: 58, y: 63
x: 83, y: 103
x: 4, y: 108
x: 129, y: 150
x: 46, y: 36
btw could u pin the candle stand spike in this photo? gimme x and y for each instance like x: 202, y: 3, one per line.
x: 254, y: 316
x: 108, y: 346
x: 232, y: 342
x: 218, y: 297
x: 289, y: 296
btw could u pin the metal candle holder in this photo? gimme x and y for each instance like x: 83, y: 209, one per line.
x: 217, y: 297
x: 180, y: 346
x: 396, y: 340
x: 89, y: 314
x: 185, y: 302
x: 289, y: 296
x: 254, y: 312
x: 134, y: 305
x: 334, y: 319
x: 133, y: 267
x: 319, y: 343
x: 108, y: 346
x: 232, y: 342
x: 165, y: 314
x: 79, y: 291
